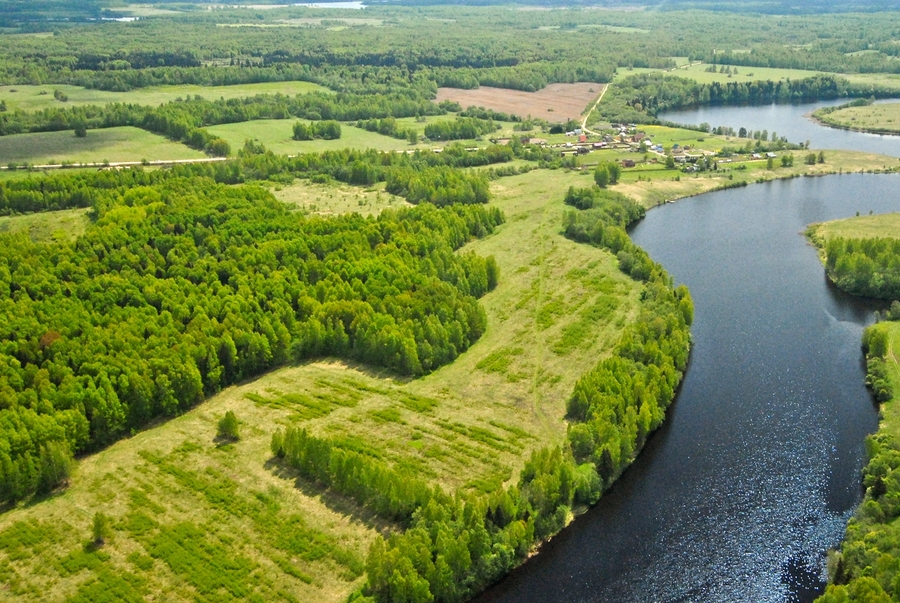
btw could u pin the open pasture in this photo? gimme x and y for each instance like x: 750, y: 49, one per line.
x: 879, y: 117
x: 35, y: 98
x: 110, y: 144
x: 555, y: 103
x: 277, y: 136
x: 861, y: 227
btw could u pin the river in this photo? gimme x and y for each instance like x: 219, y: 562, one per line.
x: 790, y: 121
x: 757, y: 467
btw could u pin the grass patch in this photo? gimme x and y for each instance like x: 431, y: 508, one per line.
x: 861, y: 227
x: 277, y: 136
x: 880, y: 118
x: 36, y: 98
x: 125, y: 143
x: 64, y: 225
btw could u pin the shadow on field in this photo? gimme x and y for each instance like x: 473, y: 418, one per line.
x: 334, y: 501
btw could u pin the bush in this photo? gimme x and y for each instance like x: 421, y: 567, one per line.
x: 229, y: 427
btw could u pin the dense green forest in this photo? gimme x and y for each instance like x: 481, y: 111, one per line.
x: 182, y: 286
x: 867, y: 267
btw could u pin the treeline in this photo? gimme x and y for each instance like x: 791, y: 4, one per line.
x: 388, y: 126
x: 438, y: 185
x: 184, y: 120
x: 328, y: 130
x: 454, y: 546
x: 182, y: 286
x: 865, y: 568
x: 461, y: 128
x: 638, y: 98
x: 254, y: 162
x: 869, y: 267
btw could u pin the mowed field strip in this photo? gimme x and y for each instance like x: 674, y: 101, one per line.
x: 35, y: 98
x: 193, y: 519
x: 555, y: 103
x: 124, y: 143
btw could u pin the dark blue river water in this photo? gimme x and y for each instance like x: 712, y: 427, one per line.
x: 757, y: 468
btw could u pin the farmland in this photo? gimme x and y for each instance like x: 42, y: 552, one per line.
x: 555, y: 103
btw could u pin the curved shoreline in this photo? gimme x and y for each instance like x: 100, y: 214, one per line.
x: 818, y: 120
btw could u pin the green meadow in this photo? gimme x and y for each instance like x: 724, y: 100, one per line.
x: 110, y: 144
x: 34, y: 98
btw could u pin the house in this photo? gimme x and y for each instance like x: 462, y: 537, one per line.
x: 627, y: 163
x: 771, y: 155
x: 582, y: 138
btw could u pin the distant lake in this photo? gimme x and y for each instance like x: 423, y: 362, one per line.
x: 350, y: 5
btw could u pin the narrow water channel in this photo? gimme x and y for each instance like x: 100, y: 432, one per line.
x: 757, y: 468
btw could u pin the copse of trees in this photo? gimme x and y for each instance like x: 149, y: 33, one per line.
x: 182, y: 286
x: 869, y: 267
x: 327, y: 130
x: 461, y: 128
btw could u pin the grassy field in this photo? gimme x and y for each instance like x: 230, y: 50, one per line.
x: 337, y: 198
x: 880, y: 118
x: 34, y: 98
x: 52, y: 225
x: 862, y: 227
x: 195, y: 520
x: 110, y: 144
x: 276, y: 135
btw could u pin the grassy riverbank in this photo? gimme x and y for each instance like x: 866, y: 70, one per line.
x: 882, y: 118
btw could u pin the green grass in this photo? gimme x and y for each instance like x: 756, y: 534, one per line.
x: 276, y: 135
x: 861, y: 227
x: 110, y: 144
x: 34, y: 98
x: 52, y: 225
x: 881, y: 118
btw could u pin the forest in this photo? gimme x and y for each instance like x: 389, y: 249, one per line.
x: 183, y: 286
x: 867, y: 267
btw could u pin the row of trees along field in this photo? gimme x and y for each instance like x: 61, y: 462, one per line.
x: 866, y: 568
x: 455, y: 545
x: 182, y: 286
x: 184, y: 120
x: 867, y: 267
x: 419, y: 176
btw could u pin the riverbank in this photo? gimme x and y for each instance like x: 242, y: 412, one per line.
x: 866, y: 566
x: 869, y: 118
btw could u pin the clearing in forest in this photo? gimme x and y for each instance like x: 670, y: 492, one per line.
x: 556, y: 102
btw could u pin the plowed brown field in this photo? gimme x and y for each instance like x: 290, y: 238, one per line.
x: 556, y: 102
